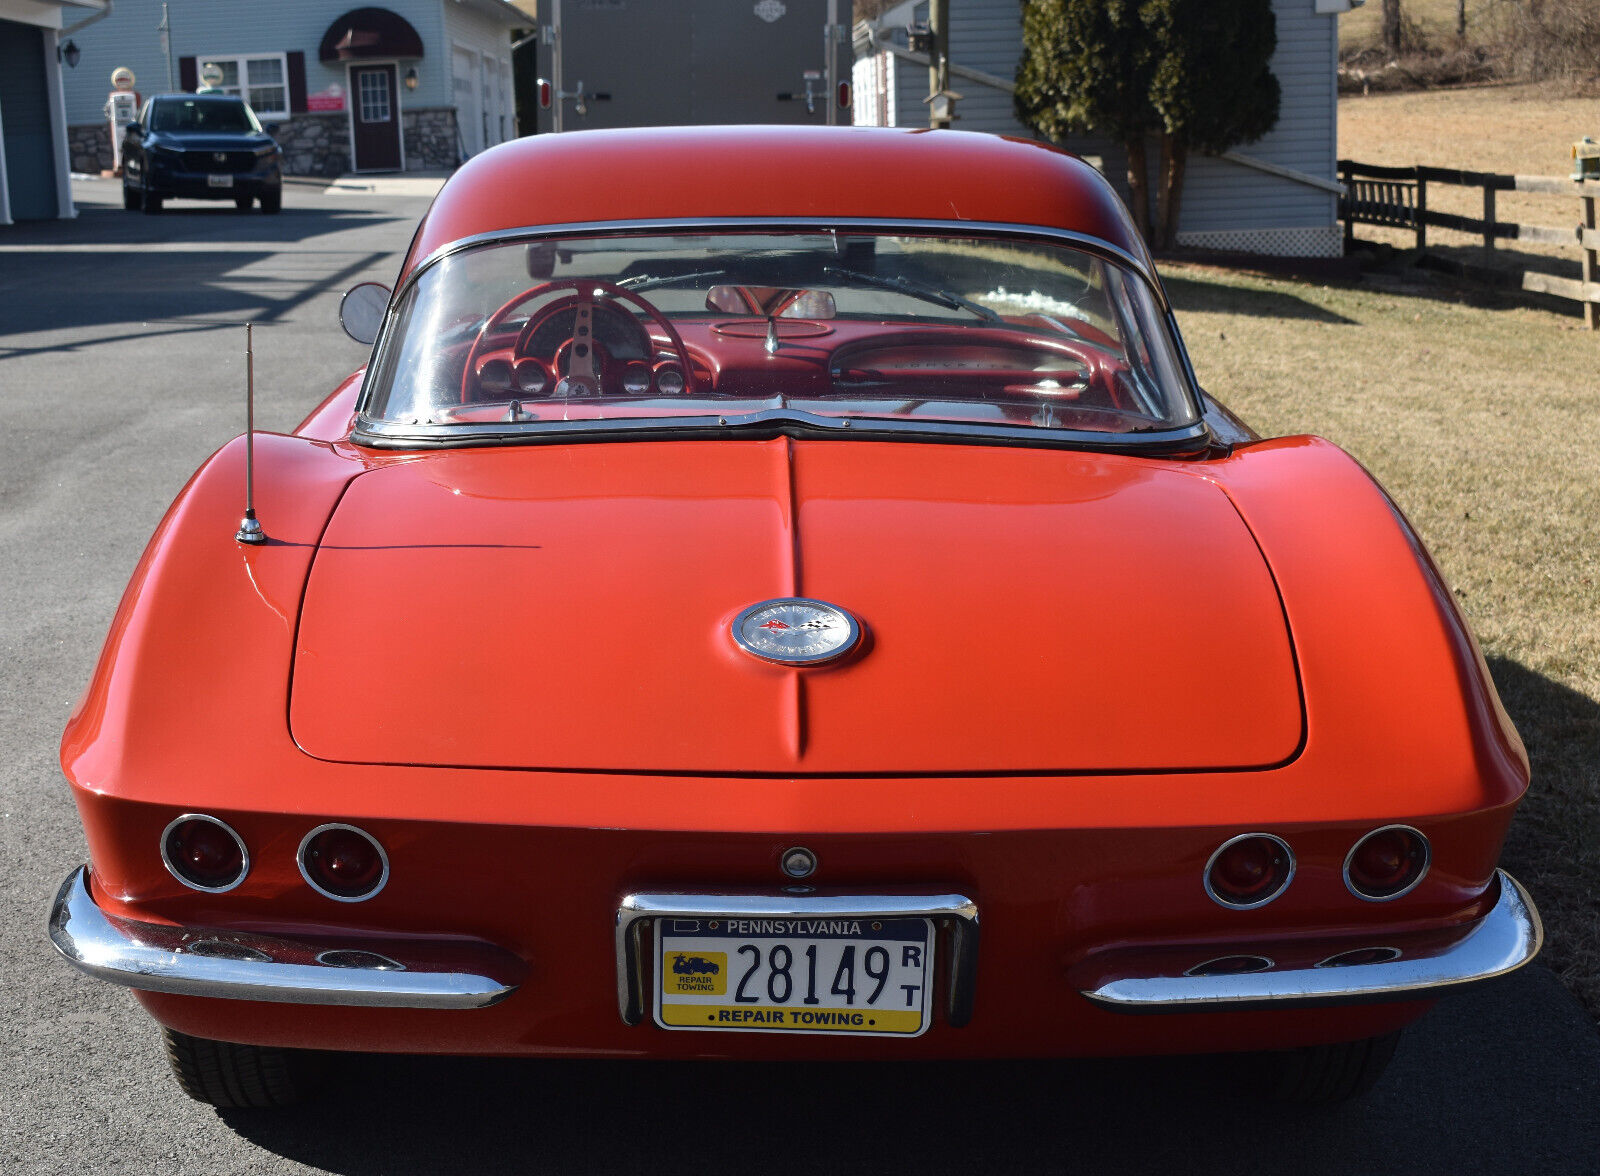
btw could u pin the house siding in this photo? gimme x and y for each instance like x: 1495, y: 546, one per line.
x: 1225, y: 205
x: 314, y: 143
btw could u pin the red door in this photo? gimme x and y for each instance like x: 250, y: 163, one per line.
x: 375, y: 117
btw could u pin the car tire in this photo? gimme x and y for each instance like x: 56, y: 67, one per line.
x: 242, y: 203
x: 152, y: 201
x: 224, y: 1074
x: 272, y: 201
x: 132, y: 199
x: 1317, y: 1075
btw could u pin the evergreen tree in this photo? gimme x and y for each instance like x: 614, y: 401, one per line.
x: 1211, y: 85
x: 1086, y: 65
x: 1194, y: 73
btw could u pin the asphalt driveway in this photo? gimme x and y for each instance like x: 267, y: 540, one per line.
x: 121, y: 368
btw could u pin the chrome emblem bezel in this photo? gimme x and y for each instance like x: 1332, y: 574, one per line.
x: 843, y: 631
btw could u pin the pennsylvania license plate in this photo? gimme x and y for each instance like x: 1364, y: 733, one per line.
x: 794, y: 974
x: 220, y: 181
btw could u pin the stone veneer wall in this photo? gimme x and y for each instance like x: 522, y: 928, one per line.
x: 89, y: 147
x: 430, y: 137
x: 314, y: 144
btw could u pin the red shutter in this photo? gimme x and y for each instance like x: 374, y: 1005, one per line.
x: 188, y: 75
x: 297, y: 82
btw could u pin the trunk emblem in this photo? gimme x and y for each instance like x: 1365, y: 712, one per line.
x: 793, y: 632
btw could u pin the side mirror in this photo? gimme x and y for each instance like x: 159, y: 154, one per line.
x: 361, y: 310
x: 132, y: 130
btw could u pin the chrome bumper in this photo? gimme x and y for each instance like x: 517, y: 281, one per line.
x: 1426, y: 965
x: 191, y: 961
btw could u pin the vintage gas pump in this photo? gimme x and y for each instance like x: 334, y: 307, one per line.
x: 122, y: 108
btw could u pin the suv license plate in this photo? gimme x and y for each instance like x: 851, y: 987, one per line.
x: 841, y: 975
x: 220, y: 181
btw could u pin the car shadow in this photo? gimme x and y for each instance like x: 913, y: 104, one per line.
x: 166, y: 292
x: 1554, y: 843
x: 99, y: 224
x: 1492, y: 1077
x: 1189, y: 294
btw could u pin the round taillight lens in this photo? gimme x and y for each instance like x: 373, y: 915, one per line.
x: 1249, y: 870
x: 343, y: 862
x: 1386, y: 863
x: 203, y: 853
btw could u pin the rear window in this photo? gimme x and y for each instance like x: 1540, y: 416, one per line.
x: 962, y: 332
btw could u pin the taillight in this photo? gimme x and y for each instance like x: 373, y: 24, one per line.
x: 343, y: 862
x: 1249, y: 870
x: 1386, y: 863
x: 204, y: 854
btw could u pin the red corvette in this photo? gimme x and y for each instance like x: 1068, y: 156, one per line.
x: 785, y: 584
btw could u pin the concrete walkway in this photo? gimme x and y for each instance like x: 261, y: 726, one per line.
x: 426, y: 183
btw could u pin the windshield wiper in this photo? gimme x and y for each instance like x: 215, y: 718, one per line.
x: 646, y: 282
x: 914, y: 289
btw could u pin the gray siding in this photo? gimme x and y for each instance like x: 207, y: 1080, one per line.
x: 128, y: 37
x: 986, y: 35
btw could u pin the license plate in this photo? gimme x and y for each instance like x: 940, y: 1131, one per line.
x: 220, y: 181
x: 841, y: 975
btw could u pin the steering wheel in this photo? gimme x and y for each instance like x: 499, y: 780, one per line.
x: 585, y: 370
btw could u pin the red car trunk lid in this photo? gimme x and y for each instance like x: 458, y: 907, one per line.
x: 568, y: 607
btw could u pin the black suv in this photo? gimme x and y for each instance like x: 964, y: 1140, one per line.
x: 202, y: 146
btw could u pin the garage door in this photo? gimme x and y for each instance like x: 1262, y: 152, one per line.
x: 469, y: 112
x: 25, y: 123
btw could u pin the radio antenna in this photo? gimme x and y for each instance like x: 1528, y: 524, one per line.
x: 249, y: 528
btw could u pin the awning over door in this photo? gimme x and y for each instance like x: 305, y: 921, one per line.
x: 367, y: 34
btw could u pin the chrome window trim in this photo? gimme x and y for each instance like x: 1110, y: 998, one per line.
x: 382, y: 434
x: 1427, y: 863
x: 383, y: 856
x: 1248, y: 906
x: 636, y: 912
x: 366, y: 428
x: 1499, y: 942
x: 244, y: 851
x: 156, y: 958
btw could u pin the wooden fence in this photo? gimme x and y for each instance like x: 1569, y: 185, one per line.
x: 1397, y: 197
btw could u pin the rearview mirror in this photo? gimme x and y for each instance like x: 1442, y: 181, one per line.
x: 361, y: 310
x: 772, y: 302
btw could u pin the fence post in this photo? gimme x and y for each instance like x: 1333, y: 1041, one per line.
x: 1422, y: 212
x: 1591, y: 311
x: 1488, y: 216
x: 1346, y: 201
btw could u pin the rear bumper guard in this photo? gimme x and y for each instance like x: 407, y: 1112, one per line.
x: 1410, y: 966
x: 193, y: 961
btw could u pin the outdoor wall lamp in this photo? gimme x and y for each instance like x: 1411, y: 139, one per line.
x: 411, y: 78
x: 70, y: 54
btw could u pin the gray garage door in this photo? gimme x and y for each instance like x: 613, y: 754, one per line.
x: 25, y: 123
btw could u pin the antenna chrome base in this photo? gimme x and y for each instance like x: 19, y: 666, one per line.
x: 250, y: 529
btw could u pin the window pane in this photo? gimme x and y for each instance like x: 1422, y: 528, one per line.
x: 268, y: 98
x: 264, y: 71
x: 374, y: 96
x: 230, y: 74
